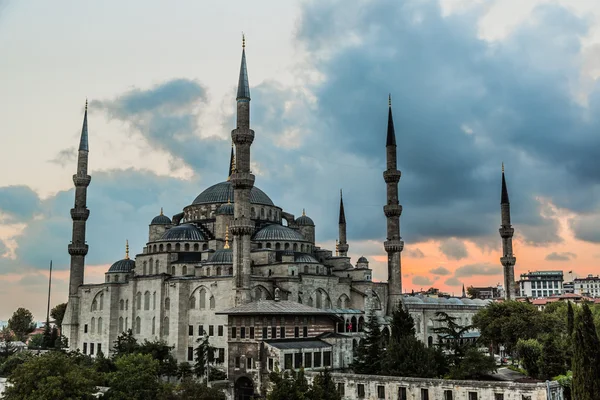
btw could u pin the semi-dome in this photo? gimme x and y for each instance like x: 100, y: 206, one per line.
x: 468, y: 301
x: 304, y: 220
x: 124, y: 265
x: 278, y: 233
x: 412, y: 300
x: 455, y: 301
x: 305, y: 258
x: 183, y: 232
x: 161, y: 219
x: 223, y: 256
x: 223, y: 192
x: 225, y: 209
x: 363, y: 259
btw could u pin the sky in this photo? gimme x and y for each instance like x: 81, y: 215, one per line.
x: 473, y: 84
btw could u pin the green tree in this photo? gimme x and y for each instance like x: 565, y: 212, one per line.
x: 452, y: 333
x: 570, y: 319
x: 184, y: 370
x: 288, y: 385
x: 323, y: 388
x: 472, y: 292
x: 586, y: 357
x: 189, y: 389
x: 161, y: 352
x: 204, y: 356
x: 530, y: 351
x: 12, y: 362
x: 402, y: 324
x: 368, y: 354
x: 135, y: 378
x: 125, y: 344
x: 21, y: 323
x: 51, y: 376
x: 36, y: 341
x: 58, y: 313
x: 473, y: 365
x: 553, y: 360
x: 7, y: 347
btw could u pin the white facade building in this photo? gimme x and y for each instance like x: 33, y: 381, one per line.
x: 538, y: 284
x: 589, y: 285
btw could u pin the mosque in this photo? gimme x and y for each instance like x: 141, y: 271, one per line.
x: 247, y: 273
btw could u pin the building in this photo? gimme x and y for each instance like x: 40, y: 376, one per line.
x: 589, y: 286
x: 488, y: 292
x: 568, y: 287
x: 541, y: 284
x: 236, y: 267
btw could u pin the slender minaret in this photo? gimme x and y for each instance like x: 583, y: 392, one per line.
x: 392, y: 210
x: 342, y: 245
x: 78, y: 248
x: 508, y: 259
x: 242, y: 181
x: 231, y: 163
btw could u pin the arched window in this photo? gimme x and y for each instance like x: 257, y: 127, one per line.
x: 319, y: 300
x: 218, y: 271
x: 120, y: 324
x: 94, y: 305
x: 287, y: 246
x: 144, y: 268
x: 252, y: 213
x: 126, y: 304
x: 100, y: 325
x: 147, y: 301
x: 138, y: 325
x: 306, y: 269
x: 173, y: 270
x: 277, y: 246
x: 310, y: 301
x: 184, y: 270
x: 361, y: 324
x: 193, y: 302
x: 186, y: 247
x: 138, y: 300
x: 101, y: 301
x: 270, y: 214
x: 207, y: 271
x: 166, y: 326
x: 161, y: 248
x: 196, y: 247
x: 295, y: 246
x: 257, y: 293
x: 121, y: 305
x: 116, y: 278
x: 93, y: 325
x: 150, y: 262
x: 168, y: 246
x: 153, y: 325
x: 354, y: 323
x: 268, y: 245
x: 167, y: 304
x: 157, y: 266
x: 212, y: 302
x: 205, y: 246
x: 177, y: 246
x: 202, y: 299
x: 262, y: 213
x: 154, y: 248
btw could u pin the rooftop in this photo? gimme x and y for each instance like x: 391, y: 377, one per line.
x: 284, y: 344
x: 274, y: 307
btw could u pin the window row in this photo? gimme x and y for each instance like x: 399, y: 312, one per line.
x: 304, y: 360
x: 403, y: 395
x: 267, y: 332
x: 159, y: 248
x: 91, y: 353
x: 300, y: 247
x: 199, y: 300
x: 219, y: 354
x: 202, y: 332
x: 93, y: 326
x: 148, y: 301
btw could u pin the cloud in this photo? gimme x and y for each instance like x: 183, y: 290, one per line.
x: 440, y: 271
x: 453, y: 282
x: 484, y: 269
x: 18, y: 203
x: 65, y: 157
x: 586, y: 227
x: 413, y: 253
x: 423, y: 280
x: 564, y: 256
x: 454, y: 249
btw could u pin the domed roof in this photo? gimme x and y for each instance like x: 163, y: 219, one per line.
x: 222, y: 192
x: 432, y: 300
x: 279, y: 232
x: 478, y: 302
x: 223, y: 256
x: 304, y: 220
x: 124, y: 265
x: 225, y: 209
x: 412, y: 300
x: 455, y: 301
x: 305, y: 258
x: 183, y: 232
x: 161, y: 219
x: 363, y: 259
x: 467, y: 301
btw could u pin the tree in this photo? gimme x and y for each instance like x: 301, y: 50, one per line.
x: 51, y: 376
x: 184, y: 370
x: 36, y: 341
x: 323, y: 388
x: 135, y: 378
x: 125, y: 344
x: 586, y: 357
x: 21, y: 323
x: 402, y: 324
x: 12, y: 362
x: 472, y: 292
x: 6, y: 347
x: 161, y: 352
x: 368, y: 353
x: 453, y: 333
x: 570, y: 319
x: 473, y: 365
x: 58, y: 313
x: 189, y: 389
x: 288, y: 385
x: 530, y: 351
x: 205, y: 355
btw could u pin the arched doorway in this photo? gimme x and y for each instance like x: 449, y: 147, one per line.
x: 244, y: 389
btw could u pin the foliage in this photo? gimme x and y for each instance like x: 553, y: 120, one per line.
x: 402, y: 324
x: 204, y: 356
x: 570, y: 319
x: 184, y: 370
x: 51, y: 376
x: 21, y: 323
x: 161, y: 352
x: 135, y: 378
x: 288, y: 385
x: 323, y: 388
x: 566, y: 381
x: 529, y: 351
x: 472, y: 292
x: 553, y: 360
x: 452, y: 332
x: 216, y: 374
x: 473, y: 365
x: 58, y: 313
x: 12, y: 362
x: 189, y: 389
x: 6, y: 347
x: 126, y: 343
x: 367, y: 359
x: 586, y: 357
x: 36, y: 341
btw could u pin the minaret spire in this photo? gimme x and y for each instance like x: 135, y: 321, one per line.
x: 342, y: 246
x: 231, y: 162
x: 242, y: 181
x: 508, y: 259
x: 392, y: 210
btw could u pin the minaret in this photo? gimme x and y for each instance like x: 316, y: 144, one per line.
x: 242, y: 181
x: 342, y: 245
x: 392, y: 210
x: 508, y: 259
x: 78, y: 248
x: 231, y: 163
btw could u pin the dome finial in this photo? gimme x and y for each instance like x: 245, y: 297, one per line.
x: 127, y: 249
x: 243, y: 40
x: 503, y: 167
x: 226, y: 237
x: 161, y: 211
x: 303, y: 212
x: 390, y: 100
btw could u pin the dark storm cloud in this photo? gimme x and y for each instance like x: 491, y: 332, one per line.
x: 18, y: 203
x: 413, y: 253
x: 453, y: 282
x: 65, y: 157
x: 423, y: 280
x: 565, y: 256
x: 454, y: 249
x: 440, y: 271
x: 483, y: 269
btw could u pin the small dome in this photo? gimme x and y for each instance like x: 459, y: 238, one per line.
x: 455, y: 301
x: 363, y: 259
x: 305, y: 258
x: 412, y: 300
x: 279, y: 232
x: 124, y: 265
x: 304, y: 220
x: 468, y: 301
x: 183, y: 232
x: 430, y: 300
x: 222, y: 192
x: 479, y: 302
x: 225, y: 209
x: 161, y: 220
x: 223, y: 256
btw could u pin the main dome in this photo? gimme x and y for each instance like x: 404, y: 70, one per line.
x: 221, y: 192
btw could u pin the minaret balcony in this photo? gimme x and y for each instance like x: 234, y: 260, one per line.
x: 392, y: 210
x: 242, y: 180
x: 391, y: 176
x: 508, y: 261
x: 506, y: 232
x: 241, y: 227
x: 242, y: 136
x: 81, y: 180
x: 394, y: 245
x: 80, y: 214
x: 343, y: 247
x: 78, y: 249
